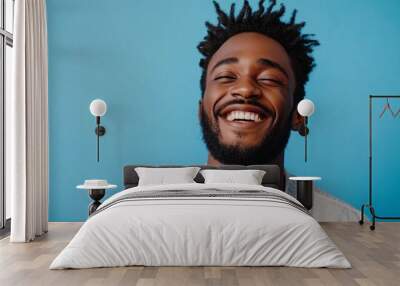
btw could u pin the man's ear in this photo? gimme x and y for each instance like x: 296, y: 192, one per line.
x: 298, y: 123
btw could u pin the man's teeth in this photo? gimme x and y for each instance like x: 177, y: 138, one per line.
x: 243, y: 115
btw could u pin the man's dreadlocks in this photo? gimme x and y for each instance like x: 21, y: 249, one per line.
x: 267, y: 22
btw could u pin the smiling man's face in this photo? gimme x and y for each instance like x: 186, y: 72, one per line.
x: 246, y: 109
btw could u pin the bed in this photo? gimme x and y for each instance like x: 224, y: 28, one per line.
x: 198, y: 224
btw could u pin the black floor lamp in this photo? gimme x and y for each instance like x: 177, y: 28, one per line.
x: 369, y: 205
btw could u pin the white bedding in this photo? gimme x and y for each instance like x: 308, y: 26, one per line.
x: 192, y: 231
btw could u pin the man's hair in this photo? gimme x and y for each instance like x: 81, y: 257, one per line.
x: 269, y: 23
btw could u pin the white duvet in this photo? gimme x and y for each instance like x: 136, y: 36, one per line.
x: 200, y: 231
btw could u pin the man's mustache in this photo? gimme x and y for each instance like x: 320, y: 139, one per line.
x: 251, y: 101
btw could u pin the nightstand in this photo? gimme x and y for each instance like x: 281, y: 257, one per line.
x: 97, y: 190
x: 305, y: 190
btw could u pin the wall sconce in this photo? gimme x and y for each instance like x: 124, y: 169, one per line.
x: 305, y: 108
x: 98, y: 108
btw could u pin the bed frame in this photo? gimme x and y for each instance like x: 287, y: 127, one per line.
x: 272, y: 177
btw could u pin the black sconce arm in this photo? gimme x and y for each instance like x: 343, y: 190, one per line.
x: 100, y: 131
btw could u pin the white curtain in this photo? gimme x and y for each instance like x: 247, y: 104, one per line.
x: 27, y: 123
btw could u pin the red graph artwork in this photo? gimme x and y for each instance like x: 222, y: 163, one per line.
x: 388, y: 108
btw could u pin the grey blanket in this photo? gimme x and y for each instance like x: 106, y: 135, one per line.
x: 206, y: 194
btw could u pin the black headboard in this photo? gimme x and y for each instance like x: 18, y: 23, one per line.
x: 271, y: 178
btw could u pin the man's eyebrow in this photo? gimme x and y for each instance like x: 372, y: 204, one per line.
x: 225, y: 62
x: 272, y: 64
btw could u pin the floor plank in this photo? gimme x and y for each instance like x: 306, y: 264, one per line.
x: 374, y: 255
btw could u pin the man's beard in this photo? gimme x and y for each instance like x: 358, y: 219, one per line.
x: 266, y: 152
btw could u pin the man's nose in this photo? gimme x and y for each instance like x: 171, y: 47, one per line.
x: 246, y: 88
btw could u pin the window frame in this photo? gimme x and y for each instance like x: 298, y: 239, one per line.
x: 6, y: 39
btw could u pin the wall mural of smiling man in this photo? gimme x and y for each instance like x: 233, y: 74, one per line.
x: 255, y: 67
x: 254, y: 70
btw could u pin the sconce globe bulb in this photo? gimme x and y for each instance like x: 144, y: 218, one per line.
x: 98, y: 107
x: 306, y: 108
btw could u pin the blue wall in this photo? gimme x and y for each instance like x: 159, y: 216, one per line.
x: 141, y: 58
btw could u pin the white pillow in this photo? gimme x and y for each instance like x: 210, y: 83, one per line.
x: 248, y: 177
x: 162, y: 176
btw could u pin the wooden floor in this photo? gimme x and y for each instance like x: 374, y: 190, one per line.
x: 375, y: 257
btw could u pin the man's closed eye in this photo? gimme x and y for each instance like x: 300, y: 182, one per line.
x: 271, y: 81
x: 225, y: 78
